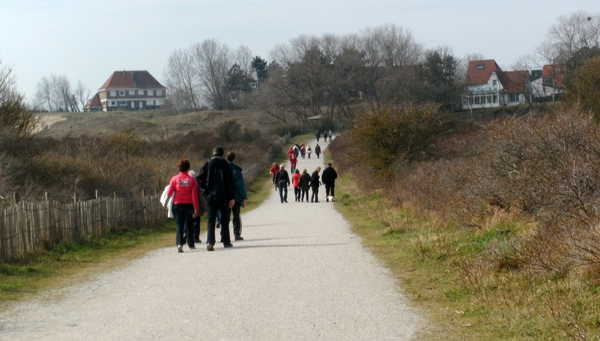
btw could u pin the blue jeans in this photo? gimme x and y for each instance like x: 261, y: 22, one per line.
x: 283, y: 191
x: 212, y: 207
x: 183, y: 216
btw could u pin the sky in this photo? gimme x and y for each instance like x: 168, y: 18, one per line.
x: 87, y: 40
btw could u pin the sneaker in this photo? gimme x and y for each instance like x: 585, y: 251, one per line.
x: 192, y: 248
x: 197, y: 241
x: 239, y: 238
x: 228, y: 245
x: 179, y: 248
x: 209, y: 247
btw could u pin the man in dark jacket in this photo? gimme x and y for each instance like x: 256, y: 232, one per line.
x: 328, y: 177
x: 314, y: 185
x: 215, y: 177
x: 283, y: 181
x: 240, y: 196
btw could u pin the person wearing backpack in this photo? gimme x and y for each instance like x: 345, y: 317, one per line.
x: 216, y: 180
x: 240, y: 197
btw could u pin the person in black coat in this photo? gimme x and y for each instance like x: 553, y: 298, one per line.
x: 304, y: 184
x: 314, y: 185
x: 283, y: 181
x: 329, y: 176
x: 216, y: 180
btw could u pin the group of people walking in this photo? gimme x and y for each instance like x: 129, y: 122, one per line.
x: 302, y: 181
x: 219, y: 185
x: 326, y: 134
x: 218, y: 189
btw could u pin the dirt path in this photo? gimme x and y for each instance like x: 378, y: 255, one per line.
x: 300, y: 274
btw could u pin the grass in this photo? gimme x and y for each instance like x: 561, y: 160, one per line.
x: 463, y: 281
x: 71, y: 263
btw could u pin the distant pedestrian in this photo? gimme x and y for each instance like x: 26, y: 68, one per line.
x: 283, y: 181
x: 293, y: 163
x: 304, y: 184
x: 318, y: 135
x: 273, y: 171
x: 330, y: 134
x: 314, y: 185
x: 216, y: 179
x: 329, y: 175
x: 185, y: 202
x: 308, y: 151
x: 325, y: 136
x: 303, y: 151
x: 241, y: 197
x: 317, y: 150
x: 296, y: 185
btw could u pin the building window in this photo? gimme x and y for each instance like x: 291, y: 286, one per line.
x: 151, y: 102
x: 131, y: 92
x: 150, y: 92
x: 158, y: 92
x: 113, y: 93
x: 494, y: 82
x: 121, y: 93
x: 140, y: 92
x: 122, y: 103
x: 112, y: 103
x: 479, y: 67
x: 515, y: 97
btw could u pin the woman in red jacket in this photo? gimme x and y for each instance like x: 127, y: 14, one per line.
x: 185, y: 202
x: 296, y: 184
x: 273, y: 171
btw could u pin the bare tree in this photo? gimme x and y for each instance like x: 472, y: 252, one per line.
x: 212, y: 61
x: 55, y: 94
x: 183, y: 81
x: 82, y: 94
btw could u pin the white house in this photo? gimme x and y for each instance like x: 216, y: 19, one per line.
x: 487, y: 86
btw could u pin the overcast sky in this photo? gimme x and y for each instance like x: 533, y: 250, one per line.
x: 88, y: 40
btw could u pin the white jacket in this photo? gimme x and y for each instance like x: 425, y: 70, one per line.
x: 167, y: 201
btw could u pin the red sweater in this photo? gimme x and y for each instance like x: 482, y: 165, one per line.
x: 295, y: 179
x: 185, y: 187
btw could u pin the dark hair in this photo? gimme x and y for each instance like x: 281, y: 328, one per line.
x: 230, y: 156
x: 183, y: 165
x: 218, y: 151
x: 297, y: 171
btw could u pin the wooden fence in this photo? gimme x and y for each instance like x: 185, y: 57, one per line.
x: 29, y: 227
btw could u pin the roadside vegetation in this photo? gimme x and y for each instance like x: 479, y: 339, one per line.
x: 492, y: 228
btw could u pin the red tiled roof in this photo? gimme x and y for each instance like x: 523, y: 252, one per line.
x: 94, y: 102
x: 514, y: 81
x: 554, y: 71
x: 131, y: 80
x: 480, y: 71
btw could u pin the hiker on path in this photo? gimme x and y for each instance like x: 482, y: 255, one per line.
x: 185, y: 202
x: 240, y: 197
x: 318, y: 150
x: 304, y: 184
x: 216, y: 179
x: 273, y: 171
x: 318, y: 135
x: 314, y: 185
x: 201, y: 210
x: 293, y: 163
x: 283, y: 181
x: 329, y: 175
x: 295, y: 184
x: 309, y: 151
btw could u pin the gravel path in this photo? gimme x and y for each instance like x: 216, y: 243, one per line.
x: 300, y: 274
